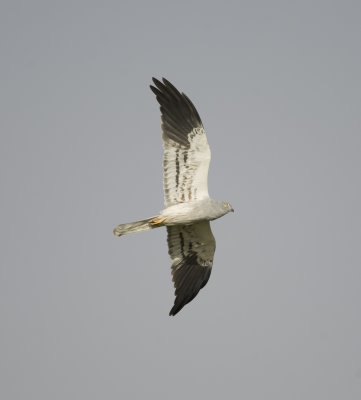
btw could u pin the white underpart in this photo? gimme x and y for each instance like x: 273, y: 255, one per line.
x: 185, y: 176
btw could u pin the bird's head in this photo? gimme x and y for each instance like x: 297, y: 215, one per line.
x: 227, y: 206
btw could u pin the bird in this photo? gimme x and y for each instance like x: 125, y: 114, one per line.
x: 188, y: 207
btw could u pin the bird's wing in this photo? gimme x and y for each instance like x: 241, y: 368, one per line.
x: 186, y: 151
x: 191, y: 248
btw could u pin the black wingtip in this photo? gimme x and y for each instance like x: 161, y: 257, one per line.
x: 179, y: 115
x: 157, y: 82
x: 175, y: 310
x: 189, y: 278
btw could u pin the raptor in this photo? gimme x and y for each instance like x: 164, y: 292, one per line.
x: 188, y: 207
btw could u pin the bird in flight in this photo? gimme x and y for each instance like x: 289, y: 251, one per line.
x: 188, y: 207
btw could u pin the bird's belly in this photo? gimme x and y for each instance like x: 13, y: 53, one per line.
x: 184, y: 214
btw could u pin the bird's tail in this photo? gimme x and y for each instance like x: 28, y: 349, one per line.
x: 139, y: 226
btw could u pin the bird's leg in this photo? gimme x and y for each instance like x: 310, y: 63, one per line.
x: 157, y: 221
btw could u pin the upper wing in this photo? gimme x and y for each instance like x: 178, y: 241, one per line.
x: 191, y: 248
x: 186, y: 151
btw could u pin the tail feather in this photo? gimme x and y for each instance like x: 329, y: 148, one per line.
x: 138, y: 226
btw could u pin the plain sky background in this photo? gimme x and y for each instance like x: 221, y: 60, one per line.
x: 84, y: 315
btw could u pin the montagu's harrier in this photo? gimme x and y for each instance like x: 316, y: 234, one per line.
x: 188, y: 207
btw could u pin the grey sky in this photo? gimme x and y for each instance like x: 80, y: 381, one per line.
x: 84, y: 315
